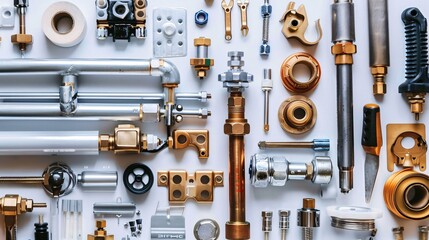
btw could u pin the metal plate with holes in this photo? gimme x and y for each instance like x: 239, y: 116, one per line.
x: 169, y: 32
x: 182, y: 185
x: 197, y: 138
x: 406, y: 156
x: 7, y: 16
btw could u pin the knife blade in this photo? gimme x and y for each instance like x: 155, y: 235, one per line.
x: 371, y: 142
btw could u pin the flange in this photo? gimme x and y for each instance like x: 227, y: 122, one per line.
x: 290, y: 82
x: 297, y: 114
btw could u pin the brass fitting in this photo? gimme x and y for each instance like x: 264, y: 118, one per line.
x: 297, y: 114
x: 406, y: 194
x: 127, y: 139
x: 343, y: 52
x: 22, y: 38
x: 291, y: 83
x: 100, y: 233
x: 202, y: 63
x: 11, y: 206
x: 379, y: 73
x: 181, y: 139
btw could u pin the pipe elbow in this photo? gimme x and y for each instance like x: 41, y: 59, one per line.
x: 166, y: 70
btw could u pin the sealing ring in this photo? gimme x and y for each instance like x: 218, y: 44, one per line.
x: 297, y: 115
x: 291, y: 83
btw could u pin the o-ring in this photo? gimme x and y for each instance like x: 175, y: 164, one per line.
x: 288, y: 79
x: 138, y: 178
x: 297, y: 114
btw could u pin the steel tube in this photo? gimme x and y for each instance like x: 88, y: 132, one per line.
x: 49, y: 143
x: 378, y: 18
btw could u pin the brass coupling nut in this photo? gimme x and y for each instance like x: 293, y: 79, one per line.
x: 406, y: 194
x: 290, y: 82
x: 297, y: 115
x: 343, y: 52
x: 379, y: 73
x: 100, y: 233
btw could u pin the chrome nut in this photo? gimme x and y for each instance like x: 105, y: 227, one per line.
x: 266, y: 10
x: 322, y: 170
x: 150, y: 113
x: 259, y: 170
x: 279, y: 169
x: 120, y: 10
x: 265, y: 49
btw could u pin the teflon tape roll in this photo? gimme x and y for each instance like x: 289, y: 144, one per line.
x: 63, y: 11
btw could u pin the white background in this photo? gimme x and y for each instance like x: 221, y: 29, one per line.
x: 394, y: 110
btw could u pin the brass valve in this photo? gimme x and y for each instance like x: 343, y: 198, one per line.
x: 100, y: 233
x: 202, y: 63
x: 12, y: 205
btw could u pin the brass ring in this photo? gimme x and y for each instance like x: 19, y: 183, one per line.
x: 297, y: 114
x: 288, y: 79
x: 406, y: 194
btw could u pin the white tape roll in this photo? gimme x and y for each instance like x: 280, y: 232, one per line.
x: 64, y: 24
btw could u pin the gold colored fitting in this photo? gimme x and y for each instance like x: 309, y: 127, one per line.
x: 297, y: 115
x: 291, y: 83
x: 181, y: 139
x: 308, y: 203
x: 237, y: 230
x: 22, y: 40
x: 202, y: 65
x: 416, y: 101
x: 343, y: 52
x: 379, y: 73
x: 127, y: 139
x: 406, y: 194
x: 100, y: 233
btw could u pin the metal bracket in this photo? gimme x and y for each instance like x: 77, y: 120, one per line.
x: 402, y: 156
x: 7, y: 16
x: 182, y: 186
x: 168, y: 223
x: 296, y: 23
x: 184, y: 138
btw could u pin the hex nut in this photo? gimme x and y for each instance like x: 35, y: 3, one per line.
x: 104, y: 143
x: 236, y: 128
x: 22, y: 39
x: 343, y: 48
x: 206, y: 229
x: 380, y: 70
x: 100, y: 223
x: 201, y: 17
x: 125, y: 12
x: 266, y: 10
x: 150, y: 113
x: 259, y: 170
x: 279, y: 167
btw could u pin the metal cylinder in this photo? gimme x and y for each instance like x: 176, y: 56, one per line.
x: 423, y: 232
x: 343, y: 21
x: 98, y: 180
x: 122, y: 209
x: 378, y: 22
x: 49, y: 143
x: 202, y: 51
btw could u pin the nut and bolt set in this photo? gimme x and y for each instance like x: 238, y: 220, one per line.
x: 63, y: 116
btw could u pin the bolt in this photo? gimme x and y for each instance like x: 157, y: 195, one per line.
x: 266, y: 10
x: 398, y: 233
x: 308, y: 218
x: 284, y: 222
x: 267, y: 220
x: 423, y: 232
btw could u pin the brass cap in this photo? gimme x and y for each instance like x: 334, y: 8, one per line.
x: 309, y: 203
x: 202, y: 41
x: 237, y: 230
x: 21, y: 39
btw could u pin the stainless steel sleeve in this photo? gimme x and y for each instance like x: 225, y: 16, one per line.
x: 48, y: 143
x: 98, y: 180
x: 379, y: 33
x: 343, y: 21
x: 345, y: 146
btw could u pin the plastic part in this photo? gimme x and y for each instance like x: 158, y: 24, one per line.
x: 350, y: 212
x: 201, y: 17
x: 168, y: 223
x: 64, y: 24
x: 138, y: 178
x: 7, y: 16
x: 71, y: 224
x: 169, y: 32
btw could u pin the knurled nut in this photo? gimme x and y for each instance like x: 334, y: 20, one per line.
x: 202, y: 41
x: 291, y: 83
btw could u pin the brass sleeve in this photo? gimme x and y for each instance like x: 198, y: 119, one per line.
x: 406, y: 194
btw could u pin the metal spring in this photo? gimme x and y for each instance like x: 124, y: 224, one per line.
x: 266, y: 29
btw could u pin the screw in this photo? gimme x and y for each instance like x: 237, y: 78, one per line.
x: 423, y: 232
x: 284, y: 222
x: 267, y: 220
x: 266, y: 10
x: 308, y: 218
x: 398, y: 233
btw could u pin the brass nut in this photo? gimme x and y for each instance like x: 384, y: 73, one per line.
x: 297, y: 115
x: 344, y: 48
x: 378, y: 70
x: 104, y: 143
x: 236, y: 128
x: 290, y: 82
x: 198, y: 62
x: 236, y: 101
x: 202, y: 41
x: 21, y: 39
x: 100, y: 223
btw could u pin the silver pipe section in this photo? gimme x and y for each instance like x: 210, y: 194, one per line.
x: 150, y: 67
x: 343, y: 32
x: 94, y: 96
x: 379, y: 56
x: 49, y: 143
x: 98, y: 180
x: 88, y: 111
